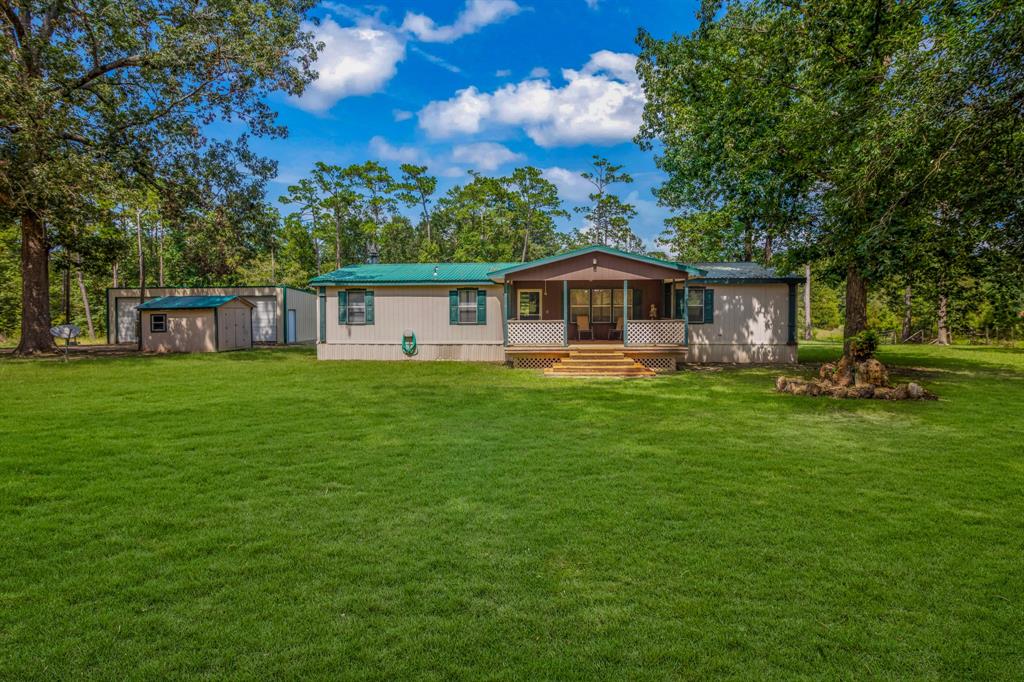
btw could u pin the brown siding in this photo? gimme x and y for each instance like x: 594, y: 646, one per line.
x: 551, y: 299
x: 608, y: 267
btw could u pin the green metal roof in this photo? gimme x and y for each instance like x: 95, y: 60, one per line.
x: 516, y: 267
x: 186, y: 302
x: 410, y: 274
x: 740, y: 272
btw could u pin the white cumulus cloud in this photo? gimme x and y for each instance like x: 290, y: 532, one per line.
x: 356, y: 60
x: 571, y: 185
x: 539, y: 72
x: 385, y: 151
x: 485, y: 156
x: 474, y: 16
x: 601, y: 103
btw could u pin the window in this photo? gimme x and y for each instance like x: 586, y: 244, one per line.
x: 158, y: 323
x: 695, y: 305
x: 601, y: 305
x: 634, y: 302
x: 579, y: 303
x: 529, y: 304
x: 357, y: 307
x: 467, y: 306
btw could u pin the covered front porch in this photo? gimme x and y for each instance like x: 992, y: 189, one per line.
x: 596, y: 298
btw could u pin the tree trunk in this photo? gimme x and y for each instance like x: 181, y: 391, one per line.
x: 337, y: 240
x: 115, y: 274
x: 35, y: 287
x: 160, y: 255
x: 808, y: 327
x: 66, y: 294
x: 943, y: 320
x: 856, y: 305
x: 907, y: 316
x: 748, y: 243
x: 767, y: 249
x: 85, y: 304
x: 142, y: 276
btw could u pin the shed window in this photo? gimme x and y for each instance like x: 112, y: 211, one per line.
x: 695, y: 305
x: 158, y: 323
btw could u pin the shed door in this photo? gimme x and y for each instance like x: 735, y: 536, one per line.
x: 127, y: 309
x: 264, y: 320
x: 291, y: 325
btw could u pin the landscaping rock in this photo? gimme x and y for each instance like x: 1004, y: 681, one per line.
x: 872, y: 373
x: 844, y: 372
x: 914, y: 391
x: 900, y: 392
x: 827, y: 371
x: 884, y: 393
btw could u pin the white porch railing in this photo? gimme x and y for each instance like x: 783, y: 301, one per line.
x: 655, y: 333
x: 536, y: 332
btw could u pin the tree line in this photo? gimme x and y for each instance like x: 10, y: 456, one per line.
x: 876, y: 144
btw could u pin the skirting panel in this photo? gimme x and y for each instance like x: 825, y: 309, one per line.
x: 742, y: 354
x: 658, y: 363
x: 467, y: 352
x: 532, y: 362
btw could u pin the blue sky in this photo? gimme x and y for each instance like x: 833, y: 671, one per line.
x: 480, y: 84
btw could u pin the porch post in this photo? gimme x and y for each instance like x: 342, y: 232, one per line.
x: 672, y: 302
x: 508, y: 314
x: 686, y: 312
x: 625, y: 312
x: 565, y: 312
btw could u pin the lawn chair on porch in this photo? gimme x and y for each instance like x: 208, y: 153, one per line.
x: 583, y: 327
x: 616, y: 332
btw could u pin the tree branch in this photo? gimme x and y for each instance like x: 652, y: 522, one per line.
x: 98, y: 71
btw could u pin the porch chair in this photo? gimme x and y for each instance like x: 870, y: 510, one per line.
x: 617, y: 330
x: 583, y: 327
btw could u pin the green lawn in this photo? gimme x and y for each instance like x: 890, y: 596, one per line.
x: 264, y: 515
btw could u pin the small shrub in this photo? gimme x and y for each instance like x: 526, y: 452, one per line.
x: 863, y: 346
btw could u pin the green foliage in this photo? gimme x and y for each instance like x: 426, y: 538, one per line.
x: 607, y: 216
x: 10, y: 279
x: 864, y: 345
x: 877, y: 139
x: 825, y: 301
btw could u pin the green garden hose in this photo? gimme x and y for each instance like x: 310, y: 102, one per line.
x: 409, y: 344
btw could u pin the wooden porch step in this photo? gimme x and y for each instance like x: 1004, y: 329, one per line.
x: 598, y: 362
x: 618, y: 372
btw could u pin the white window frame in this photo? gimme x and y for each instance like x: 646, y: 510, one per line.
x: 692, y: 291
x: 350, y: 307
x: 468, y: 307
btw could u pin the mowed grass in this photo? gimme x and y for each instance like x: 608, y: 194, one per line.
x: 263, y: 515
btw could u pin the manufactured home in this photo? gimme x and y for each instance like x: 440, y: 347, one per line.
x: 196, y: 324
x: 281, y: 314
x: 542, y: 313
